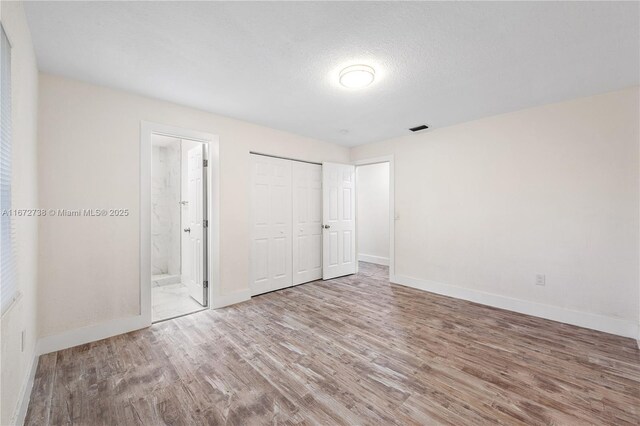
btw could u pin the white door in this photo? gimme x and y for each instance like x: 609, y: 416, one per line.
x: 338, y: 218
x: 270, y: 216
x: 194, y: 255
x: 307, y: 222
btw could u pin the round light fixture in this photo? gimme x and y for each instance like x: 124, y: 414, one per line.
x: 357, y: 76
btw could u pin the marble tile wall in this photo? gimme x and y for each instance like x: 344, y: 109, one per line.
x: 165, y: 209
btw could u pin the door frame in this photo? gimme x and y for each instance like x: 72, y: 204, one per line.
x: 147, y: 129
x: 392, y: 210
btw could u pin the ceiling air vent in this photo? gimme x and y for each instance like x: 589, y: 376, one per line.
x: 418, y: 128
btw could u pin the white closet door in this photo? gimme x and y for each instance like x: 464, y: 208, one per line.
x: 307, y: 222
x: 270, y: 261
x: 338, y: 217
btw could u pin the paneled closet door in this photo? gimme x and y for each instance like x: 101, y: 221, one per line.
x: 271, y: 210
x: 338, y: 218
x: 307, y: 222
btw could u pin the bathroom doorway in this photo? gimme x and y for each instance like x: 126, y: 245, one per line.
x: 179, y: 227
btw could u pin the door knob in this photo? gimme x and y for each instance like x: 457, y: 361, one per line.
x: 326, y: 226
x: 187, y: 229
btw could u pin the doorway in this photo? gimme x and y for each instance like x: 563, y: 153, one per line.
x: 373, y: 223
x: 210, y: 242
x: 178, y: 227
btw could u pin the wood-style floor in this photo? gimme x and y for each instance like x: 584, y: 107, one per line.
x: 354, y: 350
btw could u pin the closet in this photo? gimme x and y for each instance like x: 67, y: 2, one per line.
x: 286, y: 223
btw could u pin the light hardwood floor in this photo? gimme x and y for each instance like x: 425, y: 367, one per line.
x: 354, y: 350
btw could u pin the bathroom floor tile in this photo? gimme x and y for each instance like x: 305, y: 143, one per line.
x: 169, y: 301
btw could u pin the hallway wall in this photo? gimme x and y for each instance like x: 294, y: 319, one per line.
x: 373, y: 213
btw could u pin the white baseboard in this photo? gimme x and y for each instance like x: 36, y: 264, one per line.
x: 597, y: 322
x: 91, y: 333
x: 231, y: 299
x: 378, y: 260
x: 25, y: 393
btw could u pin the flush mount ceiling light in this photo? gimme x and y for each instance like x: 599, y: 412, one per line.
x: 357, y: 76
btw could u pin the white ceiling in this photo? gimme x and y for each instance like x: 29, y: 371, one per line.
x: 276, y: 64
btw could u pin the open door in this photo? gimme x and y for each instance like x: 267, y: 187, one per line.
x: 195, y: 254
x: 338, y: 220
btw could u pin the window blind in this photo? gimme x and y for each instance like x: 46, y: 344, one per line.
x: 8, y: 281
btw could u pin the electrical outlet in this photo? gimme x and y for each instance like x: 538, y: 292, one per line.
x: 541, y: 279
x: 23, y: 337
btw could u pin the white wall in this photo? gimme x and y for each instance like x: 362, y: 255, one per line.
x: 373, y: 213
x: 16, y: 364
x: 486, y: 205
x: 89, y: 157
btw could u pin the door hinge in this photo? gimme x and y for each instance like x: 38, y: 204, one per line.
x: 206, y: 284
x: 205, y: 223
x: 205, y: 163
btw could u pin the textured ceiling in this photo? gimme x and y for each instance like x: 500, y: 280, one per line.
x: 276, y: 64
